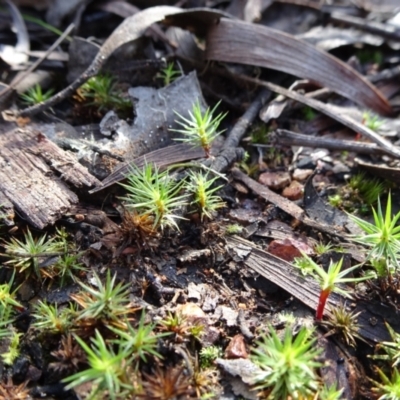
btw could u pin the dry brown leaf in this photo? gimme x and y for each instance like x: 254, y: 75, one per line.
x: 241, y: 42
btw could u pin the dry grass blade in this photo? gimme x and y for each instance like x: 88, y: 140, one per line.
x: 241, y: 42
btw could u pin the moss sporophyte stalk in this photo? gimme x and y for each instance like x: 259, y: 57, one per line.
x: 330, y: 280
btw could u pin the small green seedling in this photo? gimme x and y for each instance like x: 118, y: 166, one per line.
x: 260, y: 134
x: 178, y: 324
x: 233, y: 229
x: 288, y: 365
x: 344, y: 323
x: 108, y: 302
x: 7, y: 298
x: 139, y: 343
x: 204, y: 198
x: 169, y: 74
x: 391, y: 349
x: 24, y: 254
x: 35, y: 95
x: 6, y: 321
x: 336, y: 200
x: 108, y: 369
x: 13, y: 350
x: 330, y: 393
x: 101, y: 92
x: 329, y: 281
x: 249, y: 168
x: 389, y: 389
x: 305, y: 264
x: 371, y: 121
x: 200, y: 129
x: 48, y: 318
x: 67, y: 267
x: 153, y: 193
x: 382, y: 237
x: 208, y: 355
x: 368, y: 189
x: 322, y: 248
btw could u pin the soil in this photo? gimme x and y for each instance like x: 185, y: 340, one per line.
x: 290, y: 170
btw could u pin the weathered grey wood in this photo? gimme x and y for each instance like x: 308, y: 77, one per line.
x: 33, y: 172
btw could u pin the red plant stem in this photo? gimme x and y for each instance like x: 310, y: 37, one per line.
x: 321, y: 303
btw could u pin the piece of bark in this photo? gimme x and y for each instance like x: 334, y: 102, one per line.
x: 32, y: 175
x: 284, y: 137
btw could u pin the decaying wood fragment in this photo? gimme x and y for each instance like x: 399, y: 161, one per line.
x: 33, y: 174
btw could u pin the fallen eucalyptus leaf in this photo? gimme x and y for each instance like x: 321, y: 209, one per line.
x: 241, y: 42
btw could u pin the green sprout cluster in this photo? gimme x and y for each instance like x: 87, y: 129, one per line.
x: 371, y: 121
x: 389, y: 385
x: 101, y: 92
x: 288, y: 366
x: 208, y: 355
x: 200, y: 129
x: 153, y: 193
x: 35, y: 95
x: 204, y: 198
x: 330, y: 280
x: 108, y: 302
x: 107, y: 370
x: 381, y: 238
x: 154, y: 197
x: 169, y: 74
x: 9, y: 337
x: 49, y: 318
x: 113, y: 364
x: 358, y: 194
x: 61, y: 259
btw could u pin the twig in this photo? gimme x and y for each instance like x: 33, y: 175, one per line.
x: 378, y: 28
x: 289, y: 138
x: 238, y: 131
x: 330, y: 112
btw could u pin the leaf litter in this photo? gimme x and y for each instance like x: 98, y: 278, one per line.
x: 203, y: 294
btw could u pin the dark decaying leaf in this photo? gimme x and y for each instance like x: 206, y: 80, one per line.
x: 241, y: 42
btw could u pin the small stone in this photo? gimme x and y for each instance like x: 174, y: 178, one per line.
x: 294, y: 191
x: 191, y: 311
x: 236, y: 348
x: 284, y: 249
x: 301, y: 174
x: 275, y: 180
x: 244, y: 216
